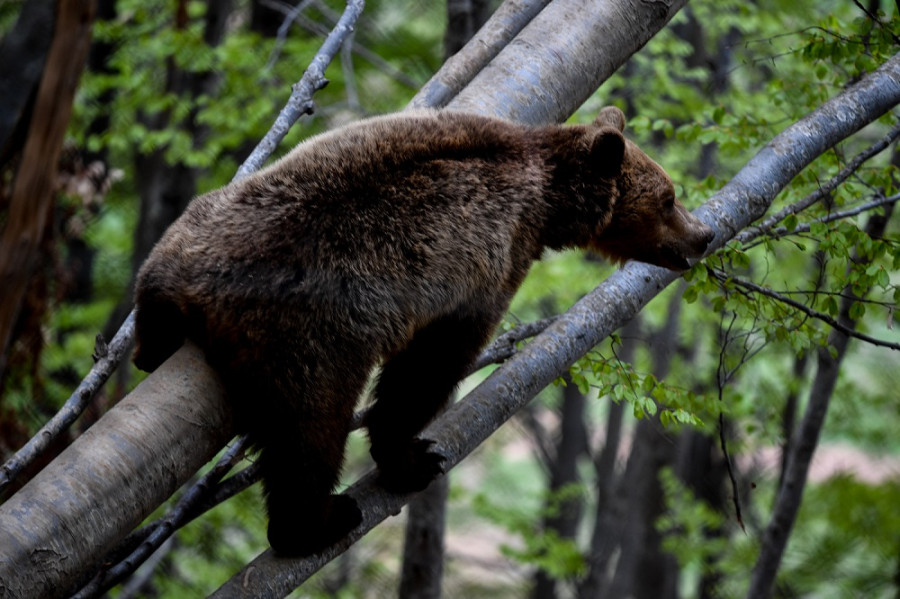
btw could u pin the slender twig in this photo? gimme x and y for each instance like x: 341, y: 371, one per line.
x: 504, y: 346
x: 300, y: 102
x: 290, y: 15
x: 855, y: 211
x: 107, y: 357
x: 874, y: 18
x: 802, y: 308
x: 358, y: 49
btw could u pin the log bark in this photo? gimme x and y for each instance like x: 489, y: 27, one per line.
x: 111, y: 478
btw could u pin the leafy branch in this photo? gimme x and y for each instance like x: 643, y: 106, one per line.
x: 726, y: 278
x: 765, y: 227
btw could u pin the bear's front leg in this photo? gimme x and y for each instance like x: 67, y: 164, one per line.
x: 413, y: 387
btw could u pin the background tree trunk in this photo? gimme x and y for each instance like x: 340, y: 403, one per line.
x: 806, y: 438
x: 605, y: 469
x: 423, y: 552
x: 564, y: 514
x: 24, y: 49
x: 32, y: 195
x: 166, y: 187
x: 464, y: 18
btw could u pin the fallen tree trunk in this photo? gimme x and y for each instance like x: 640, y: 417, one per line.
x: 114, y: 475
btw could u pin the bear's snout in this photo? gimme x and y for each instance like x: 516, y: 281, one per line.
x: 705, y: 237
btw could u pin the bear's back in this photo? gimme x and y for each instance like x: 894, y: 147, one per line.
x: 399, y: 215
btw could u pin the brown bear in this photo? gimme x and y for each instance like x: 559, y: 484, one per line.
x: 396, y: 241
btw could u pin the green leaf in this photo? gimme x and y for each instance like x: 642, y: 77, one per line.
x: 690, y: 294
x: 790, y: 223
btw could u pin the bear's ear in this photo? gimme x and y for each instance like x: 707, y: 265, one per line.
x: 607, y: 152
x: 611, y: 116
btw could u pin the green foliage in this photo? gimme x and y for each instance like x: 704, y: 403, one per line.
x: 856, y: 552
x: 544, y: 549
x: 692, y: 530
x: 648, y: 396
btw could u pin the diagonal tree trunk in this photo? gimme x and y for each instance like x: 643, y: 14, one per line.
x: 566, y: 514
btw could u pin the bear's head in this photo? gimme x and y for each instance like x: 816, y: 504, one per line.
x: 647, y: 222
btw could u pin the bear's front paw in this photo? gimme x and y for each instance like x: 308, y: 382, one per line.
x: 306, y: 534
x: 409, y: 469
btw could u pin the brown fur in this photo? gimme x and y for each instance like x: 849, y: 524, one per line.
x: 397, y: 241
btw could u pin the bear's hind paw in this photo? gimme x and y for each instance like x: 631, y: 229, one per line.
x: 309, y: 534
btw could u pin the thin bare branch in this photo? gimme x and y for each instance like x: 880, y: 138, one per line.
x: 300, y: 102
x: 290, y: 15
x: 850, y: 212
x: 356, y: 48
x: 107, y: 357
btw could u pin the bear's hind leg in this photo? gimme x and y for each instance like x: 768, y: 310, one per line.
x: 301, y: 463
x: 298, y: 412
x: 413, y: 387
x: 159, y: 329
